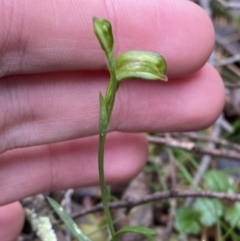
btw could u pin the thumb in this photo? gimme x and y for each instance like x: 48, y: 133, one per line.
x: 11, y: 221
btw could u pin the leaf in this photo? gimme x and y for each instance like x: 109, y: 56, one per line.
x: 210, y: 210
x: 186, y: 221
x: 76, y: 231
x: 217, y: 181
x: 103, y: 31
x: 141, y: 64
x: 103, y: 125
x: 147, y: 232
x: 232, y: 215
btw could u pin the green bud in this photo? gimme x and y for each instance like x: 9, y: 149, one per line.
x: 103, y: 31
x: 141, y: 64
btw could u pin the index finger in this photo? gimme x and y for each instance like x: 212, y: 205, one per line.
x: 48, y: 36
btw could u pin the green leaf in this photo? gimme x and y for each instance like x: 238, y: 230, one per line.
x: 103, y: 31
x: 218, y: 181
x: 76, y: 231
x: 186, y: 221
x: 210, y: 210
x: 103, y: 125
x: 141, y: 64
x: 232, y: 215
x: 147, y: 232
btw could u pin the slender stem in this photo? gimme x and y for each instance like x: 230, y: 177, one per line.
x: 109, y: 101
x: 102, y: 138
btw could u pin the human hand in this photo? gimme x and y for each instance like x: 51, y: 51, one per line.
x: 45, y: 112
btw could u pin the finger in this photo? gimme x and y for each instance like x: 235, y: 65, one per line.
x: 11, y: 221
x: 47, y: 36
x: 56, y: 107
x: 28, y: 171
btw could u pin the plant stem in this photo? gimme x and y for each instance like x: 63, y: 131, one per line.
x: 102, y: 138
x: 134, y: 64
x: 109, y: 101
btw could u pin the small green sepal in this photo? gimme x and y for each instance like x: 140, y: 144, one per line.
x: 141, y: 64
x: 103, y: 31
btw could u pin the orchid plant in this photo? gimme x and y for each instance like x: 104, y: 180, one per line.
x: 129, y: 65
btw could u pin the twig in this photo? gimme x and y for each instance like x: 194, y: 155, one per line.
x: 192, y: 147
x: 41, y: 225
x: 206, y: 159
x: 227, y: 61
x: 233, y: 5
x: 169, y: 228
x: 198, y: 137
x: 159, y: 196
x: 232, y: 85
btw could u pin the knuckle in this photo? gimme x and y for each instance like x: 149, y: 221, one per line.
x: 12, y: 43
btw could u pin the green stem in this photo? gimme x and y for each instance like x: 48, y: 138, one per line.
x: 109, y: 101
x: 102, y: 138
x: 145, y: 65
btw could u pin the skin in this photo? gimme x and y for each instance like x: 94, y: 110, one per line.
x: 49, y: 119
